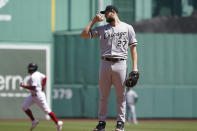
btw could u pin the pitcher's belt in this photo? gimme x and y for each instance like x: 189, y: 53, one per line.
x: 112, y: 59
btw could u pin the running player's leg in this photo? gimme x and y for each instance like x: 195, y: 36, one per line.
x: 42, y: 103
x: 104, y: 86
x: 27, y: 103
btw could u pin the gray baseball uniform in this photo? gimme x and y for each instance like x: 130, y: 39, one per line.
x: 114, y: 43
x: 130, y: 98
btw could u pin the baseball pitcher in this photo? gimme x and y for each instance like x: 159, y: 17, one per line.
x: 115, y: 39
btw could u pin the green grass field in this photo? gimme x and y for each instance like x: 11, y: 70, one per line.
x: 84, y: 125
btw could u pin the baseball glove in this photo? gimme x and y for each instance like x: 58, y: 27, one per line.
x: 131, y: 81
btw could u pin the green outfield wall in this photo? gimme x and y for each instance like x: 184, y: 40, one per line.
x: 25, y: 20
x: 167, y: 87
x: 15, y: 58
x: 33, y: 20
x: 164, y: 59
x: 166, y: 102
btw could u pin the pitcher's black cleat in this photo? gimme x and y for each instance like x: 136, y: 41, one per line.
x: 119, y: 126
x: 100, y: 126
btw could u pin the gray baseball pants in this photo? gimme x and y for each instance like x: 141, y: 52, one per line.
x: 112, y: 73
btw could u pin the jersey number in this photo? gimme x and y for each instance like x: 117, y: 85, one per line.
x: 124, y: 42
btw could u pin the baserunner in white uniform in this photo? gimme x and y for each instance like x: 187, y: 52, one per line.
x: 36, y: 85
x: 115, y: 39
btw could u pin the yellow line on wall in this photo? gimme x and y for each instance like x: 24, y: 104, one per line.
x: 53, y: 15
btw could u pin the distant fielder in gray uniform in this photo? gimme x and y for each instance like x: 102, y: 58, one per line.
x: 115, y: 38
x: 131, y: 98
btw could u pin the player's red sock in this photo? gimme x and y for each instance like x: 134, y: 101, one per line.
x: 53, y: 117
x: 29, y: 113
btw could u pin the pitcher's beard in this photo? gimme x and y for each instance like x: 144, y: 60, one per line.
x: 110, y: 20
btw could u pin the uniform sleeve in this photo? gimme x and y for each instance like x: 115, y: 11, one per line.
x: 95, y: 32
x: 132, y: 36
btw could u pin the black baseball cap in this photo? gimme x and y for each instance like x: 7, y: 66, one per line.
x: 109, y: 8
